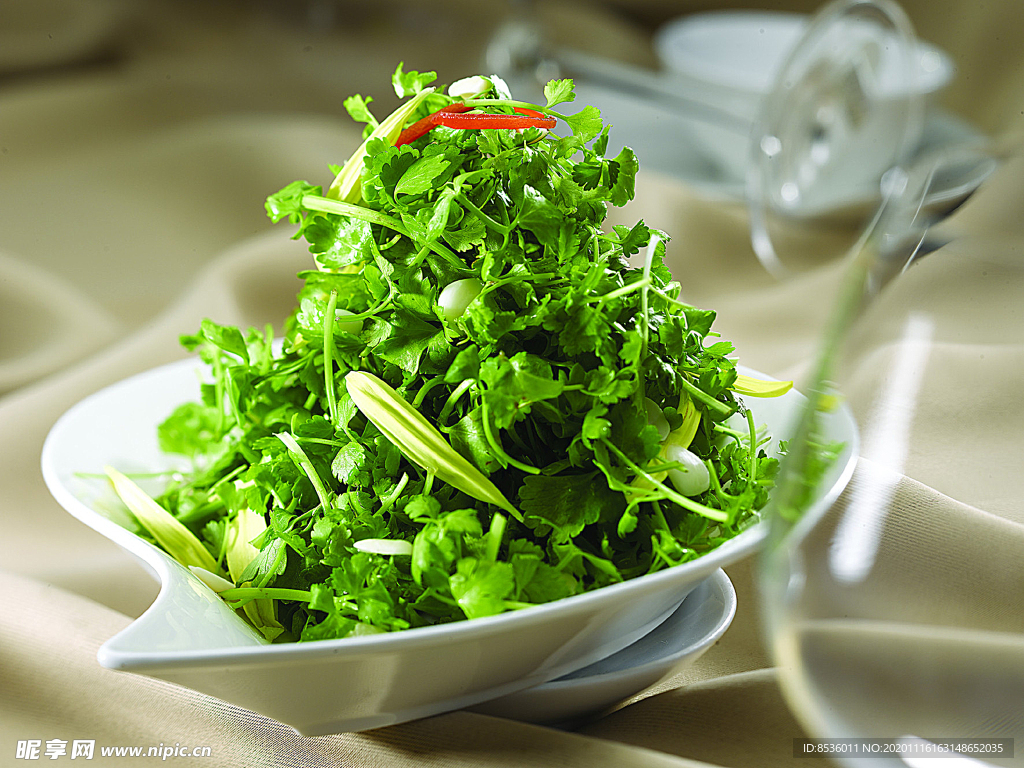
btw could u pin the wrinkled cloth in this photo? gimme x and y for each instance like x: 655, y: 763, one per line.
x: 131, y: 189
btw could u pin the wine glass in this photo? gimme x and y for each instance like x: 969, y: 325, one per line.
x: 892, y: 614
x: 845, y: 108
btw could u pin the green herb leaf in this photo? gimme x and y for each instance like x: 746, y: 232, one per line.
x: 559, y: 91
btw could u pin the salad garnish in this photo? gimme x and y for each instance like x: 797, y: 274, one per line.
x: 480, y: 402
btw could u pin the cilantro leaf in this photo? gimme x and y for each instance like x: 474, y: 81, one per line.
x: 191, y: 430
x: 586, y: 124
x: 567, y: 503
x: 287, y: 203
x: 358, y: 109
x: 421, y: 175
x: 559, y: 91
x: 412, y: 82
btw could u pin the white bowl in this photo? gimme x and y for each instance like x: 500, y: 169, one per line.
x: 731, y: 59
x: 190, y: 637
x: 696, y: 625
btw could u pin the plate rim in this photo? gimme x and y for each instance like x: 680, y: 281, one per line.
x: 717, y: 581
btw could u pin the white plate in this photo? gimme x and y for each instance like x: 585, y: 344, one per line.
x: 190, y: 637
x: 696, y: 625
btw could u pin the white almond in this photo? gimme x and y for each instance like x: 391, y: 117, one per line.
x: 468, y: 87
x: 693, y: 479
x: 384, y: 546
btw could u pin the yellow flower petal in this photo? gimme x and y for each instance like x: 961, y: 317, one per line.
x: 751, y: 387
x: 177, y: 540
x: 418, y: 440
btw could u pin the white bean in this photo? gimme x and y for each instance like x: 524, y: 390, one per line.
x: 468, y: 87
x: 656, y: 418
x: 344, y: 325
x: 457, y: 296
x: 384, y: 546
x: 693, y: 479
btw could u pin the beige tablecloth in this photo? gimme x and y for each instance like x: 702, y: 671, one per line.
x: 132, y: 174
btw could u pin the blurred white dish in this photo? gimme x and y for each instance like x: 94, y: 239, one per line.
x: 190, y: 637
x: 696, y: 625
x: 742, y: 51
x: 730, y: 60
x: 662, y: 139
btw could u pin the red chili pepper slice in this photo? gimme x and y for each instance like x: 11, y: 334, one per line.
x: 424, y: 124
x: 452, y: 117
x: 490, y: 121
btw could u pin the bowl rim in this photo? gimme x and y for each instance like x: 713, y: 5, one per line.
x: 718, y: 583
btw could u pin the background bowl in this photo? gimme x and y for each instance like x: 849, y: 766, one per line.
x: 190, y: 637
x: 730, y: 60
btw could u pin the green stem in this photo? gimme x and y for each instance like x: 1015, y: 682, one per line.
x: 453, y: 398
x: 662, y: 295
x: 494, y: 285
x: 753, y: 447
x: 332, y: 397
x: 735, y: 434
x: 699, y: 394
x: 441, y: 597
x: 659, y: 518
x: 229, y: 476
x: 671, y: 495
x: 273, y: 593
x: 496, y: 226
x: 381, y: 305
x: 645, y: 315
x: 499, y: 452
x: 421, y: 254
x: 278, y: 561
x: 514, y: 103
x: 306, y: 466
x: 624, y: 291
x: 421, y: 395
x: 517, y: 605
x: 387, y: 501
x: 326, y: 205
x: 494, y: 536
x: 320, y: 441
x: 716, y: 484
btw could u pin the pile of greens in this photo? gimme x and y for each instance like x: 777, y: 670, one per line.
x: 478, y: 400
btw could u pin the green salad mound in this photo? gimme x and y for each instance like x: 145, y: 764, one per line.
x: 478, y: 405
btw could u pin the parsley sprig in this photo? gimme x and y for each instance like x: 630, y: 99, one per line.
x: 410, y: 456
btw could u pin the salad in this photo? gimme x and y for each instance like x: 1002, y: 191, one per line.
x: 479, y: 403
